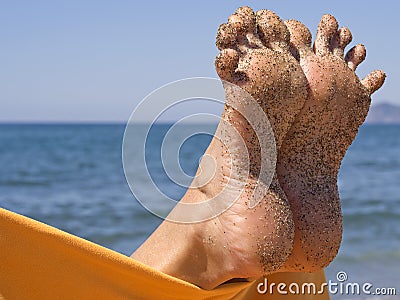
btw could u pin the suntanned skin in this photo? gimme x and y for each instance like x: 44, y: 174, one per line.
x: 314, y: 147
x: 272, y: 62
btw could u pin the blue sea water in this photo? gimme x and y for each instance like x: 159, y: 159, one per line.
x: 71, y: 177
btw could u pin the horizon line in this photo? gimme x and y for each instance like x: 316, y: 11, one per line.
x: 85, y: 122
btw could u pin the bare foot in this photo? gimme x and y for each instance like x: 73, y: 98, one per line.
x: 243, y: 241
x: 311, y: 154
x: 255, y: 56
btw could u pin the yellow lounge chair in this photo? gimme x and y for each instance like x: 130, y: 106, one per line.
x: 38, y: 261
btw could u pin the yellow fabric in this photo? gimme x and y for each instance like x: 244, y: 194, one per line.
x: 38, y: 261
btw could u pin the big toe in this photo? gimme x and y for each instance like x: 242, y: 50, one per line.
x: 327, y: 28
x: 272, y: 30
x: 300, y: 37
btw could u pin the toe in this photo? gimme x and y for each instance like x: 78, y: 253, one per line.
x: 248, y: 17
x: 340, y: 40
x: 374, y: 81
x: 272, y: 31
x: 355, y: 56
x: 300, y: 37
x: 226, y: 63
x: 243, y: 20
x: 226, y: 37
x: 327, y: 28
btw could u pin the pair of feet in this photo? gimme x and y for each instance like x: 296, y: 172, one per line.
x: 315, y: 104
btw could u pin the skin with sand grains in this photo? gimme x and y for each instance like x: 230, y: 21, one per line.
x: 315, y: 104
x: 314, y: 147
x: 246, y: 242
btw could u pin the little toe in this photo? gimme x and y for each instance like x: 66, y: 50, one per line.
x: 373, y: 81
x: 272, y: 31
x: 355, y: 56
x: 226, y: 37
x: 340, y: 40
x: 300, y: 37
x: 327, y: 28
x: 226, y: 63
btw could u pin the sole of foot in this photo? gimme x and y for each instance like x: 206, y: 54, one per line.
x: 315, y: 145
x: 255, y: 56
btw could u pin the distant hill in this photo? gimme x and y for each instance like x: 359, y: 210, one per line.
x: 384, y: 114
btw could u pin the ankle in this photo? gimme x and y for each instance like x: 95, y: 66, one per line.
x: 187, y: 251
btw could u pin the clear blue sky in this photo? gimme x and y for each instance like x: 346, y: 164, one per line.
x: 95, y: 60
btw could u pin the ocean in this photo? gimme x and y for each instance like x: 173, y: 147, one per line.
x: 71, y: 176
